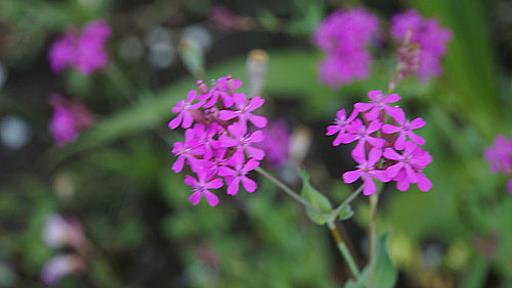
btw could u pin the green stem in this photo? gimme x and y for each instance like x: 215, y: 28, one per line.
x: 342, y: 247
x: 347, y: 201
x: 287, y: 189
x: 374, y: 201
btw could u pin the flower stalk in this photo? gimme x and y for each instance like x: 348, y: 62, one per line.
x: 340, y: 244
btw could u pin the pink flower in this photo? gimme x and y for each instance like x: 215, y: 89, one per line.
x: 60, y: 266
x: 378, y: 102
x: 405, y: 130
x: 244, y: 109
x: 236, y: 174
x: 62, y: 54
x: 186, y: 152
x: 364, y: 135
x: 82, y: 50
x: 69, y: 119
x: 185, y: 108
x: 499, y: 155
x: 366, y: 170
x: 242, y: 141
x: 201, y: 188
x: 409, y: 166
x: 341, y: 125
x: 429, y: 35
x: 344, y: 35
x: 224, y: 88
x: 218, y: 138
x: 373, y: 124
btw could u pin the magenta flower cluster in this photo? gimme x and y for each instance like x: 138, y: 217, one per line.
x: 83, y: 50
x: 344, y: 36
x: 499, y: 156
x: 429, y: 35
x: 69, y: 119
x: 219, y: 145
x: 387, y: 149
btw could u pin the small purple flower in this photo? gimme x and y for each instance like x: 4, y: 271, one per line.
x: 244, y: 109
x: 409, y: 166
x: 499, y: 155
x: 83, y: 50
x: 201, y: 188
x: 341, y: 127
x: 364, y: 133
x: 242, y: 141
x: 405, y: 130
x: 366, y: 170
x: 237, y: 174
x: 378, y: 102
x: 185, y: 109
x: 69, y: 119
x: 344, y: 35
x: 60, y: 266
x: 429, y: 35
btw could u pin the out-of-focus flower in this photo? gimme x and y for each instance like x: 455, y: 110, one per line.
x: 431, y: 38
x: 219, y: 143
x: 14, y: 132
x: 344, y: 36
x: 69, y: 119
x: 228, y: 20
x: 60, y: 232
x: 379, y: 127
x: 408, y: 57
x: 499, y: 156
x: 276, y: 143
x: 60, y: 266
x: 83, y: 50
x: 257, y: 70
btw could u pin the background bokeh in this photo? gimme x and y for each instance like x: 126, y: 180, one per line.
x: 115, y: 179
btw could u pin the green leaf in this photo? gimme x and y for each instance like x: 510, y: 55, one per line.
x: 346, y: 213
x: 316, y: 199
x: 384, y: 272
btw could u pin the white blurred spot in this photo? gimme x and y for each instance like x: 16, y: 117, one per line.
x: 14, y: 132
x: 157, y: 36
x: 162, y: 56
x: 161, y: 50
